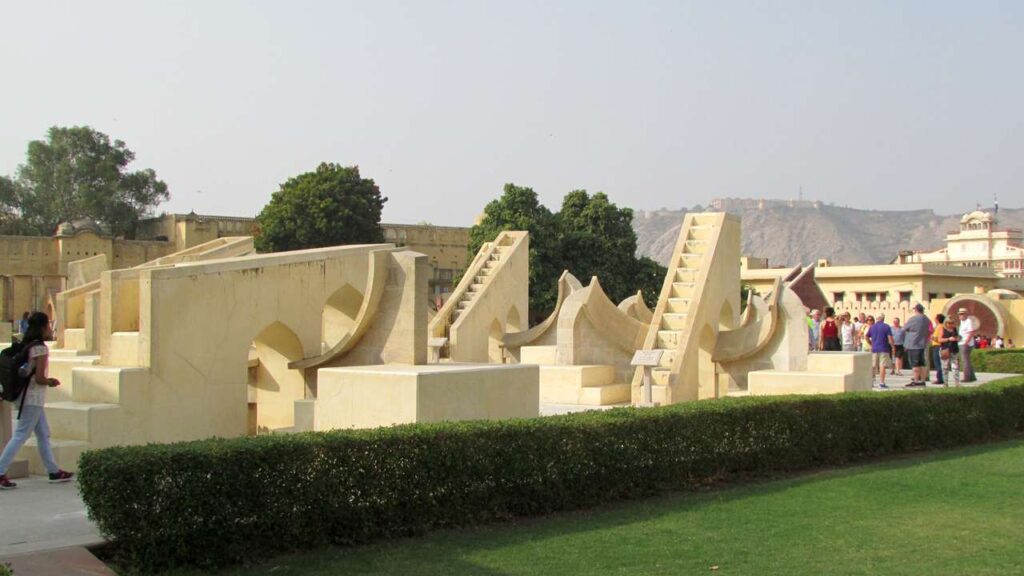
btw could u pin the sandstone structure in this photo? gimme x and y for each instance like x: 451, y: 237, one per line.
x: 217, y: 341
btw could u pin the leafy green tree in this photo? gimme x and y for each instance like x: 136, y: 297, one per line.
x: 590, y: 236
x: 648, y: 278
x: 11, y: 221
x: 330, y: 206
x: 597, y: 239
x: 519, y: 209
x: 77, y: 172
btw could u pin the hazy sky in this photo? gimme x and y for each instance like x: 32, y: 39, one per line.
x: 887, y: 105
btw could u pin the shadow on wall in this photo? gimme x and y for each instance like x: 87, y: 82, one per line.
x: 273, y: 387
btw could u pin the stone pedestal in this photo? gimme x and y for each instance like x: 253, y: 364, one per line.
x: 18, y: 468
x: 385, y: 395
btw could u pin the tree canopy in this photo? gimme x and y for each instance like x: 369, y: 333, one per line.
x: 589, y: 236
x: 77, y: 172
x: 519, y: 209
x: 330, y: 206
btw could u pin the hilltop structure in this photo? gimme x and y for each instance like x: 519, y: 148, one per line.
x: 979, y: 243
x: 980, y: 265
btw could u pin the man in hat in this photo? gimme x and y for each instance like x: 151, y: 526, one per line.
x: 967, y: 330
x: 917, y: 332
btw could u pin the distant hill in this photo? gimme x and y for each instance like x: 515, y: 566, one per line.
x: 790, y: 233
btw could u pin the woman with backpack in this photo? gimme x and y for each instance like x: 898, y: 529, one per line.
x: 31, y: 417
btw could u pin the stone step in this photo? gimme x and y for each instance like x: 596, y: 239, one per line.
x: 696, y: 246
x: 62, y: 368
x: 678, y: 305
x: 124, y: 349
x: 682, y: 289
x: 65, y: 452
x: 771, y: 382
x: 668, y: 358
x: 79, y: 420
x: 668, y: 339
x: 693, y: 261
x: 699, y: 233
x: 660, y: 376
x: 543, y: 355
x: 659, y: 395
x: 605, y: 395
x: 577, y: 376
x: 107, y: 384
x: 478, y: 287
x: 74, y: 340
x: 673, y: 320
x: 68, y: 352
x: 686, y: 275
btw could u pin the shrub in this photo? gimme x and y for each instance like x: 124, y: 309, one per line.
x: 223, y: 501
x: 1002, y: 360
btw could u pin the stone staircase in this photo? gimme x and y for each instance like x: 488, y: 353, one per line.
x: 92, y: 415
x: 482, y: 274
x: 588, y: 385
x: 674, y: 319
x: 467, y: 316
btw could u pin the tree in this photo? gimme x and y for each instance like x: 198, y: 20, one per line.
x: 597, y: 239
x: 332, y: 205
x: 11, y: 221
x: 590, y: 236
x: 77, y: 172
x: 519, y: 209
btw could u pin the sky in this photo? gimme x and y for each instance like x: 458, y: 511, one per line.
x: 874, y: 105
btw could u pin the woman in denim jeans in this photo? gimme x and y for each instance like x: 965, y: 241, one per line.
x: 32, y: 418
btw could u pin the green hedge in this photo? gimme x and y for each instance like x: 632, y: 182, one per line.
x: 1002, y: 361
x: 217, y: 502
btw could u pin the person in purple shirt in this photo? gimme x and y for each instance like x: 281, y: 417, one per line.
x: 882, y: 347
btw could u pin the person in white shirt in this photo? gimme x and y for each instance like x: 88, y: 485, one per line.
x: 847, y: 333
x: 31, y: 417
x: 967, y: 330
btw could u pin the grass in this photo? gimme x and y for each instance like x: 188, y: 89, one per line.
x: 956, y: 512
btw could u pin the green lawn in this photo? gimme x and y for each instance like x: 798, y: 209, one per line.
x: 958, y: 512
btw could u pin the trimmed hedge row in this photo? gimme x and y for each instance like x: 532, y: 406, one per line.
x: 223, y: 501
x: 1002, y: 360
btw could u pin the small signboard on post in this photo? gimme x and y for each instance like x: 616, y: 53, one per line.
x: 647, y: 359
x: 435, y: 345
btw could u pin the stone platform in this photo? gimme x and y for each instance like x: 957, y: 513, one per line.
x: 384, y: 395
x: 827, y: 373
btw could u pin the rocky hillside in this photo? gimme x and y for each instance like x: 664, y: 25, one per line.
x: 790, y: 235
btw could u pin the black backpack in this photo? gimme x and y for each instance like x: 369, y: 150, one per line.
x: 12, y: 383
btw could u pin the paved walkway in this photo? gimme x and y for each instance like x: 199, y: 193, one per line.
x: 38, y: 515
x: 52, y: 516
x: 899, y: 382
